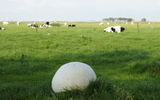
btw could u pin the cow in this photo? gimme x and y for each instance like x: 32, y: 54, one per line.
x: 132, y: 22
x: 29, y: 25
x: 109, y: 29
x: 2, y: 28
x: 119, y: 29
x: 72, y: 25
x: 116, y: 29
x: 18, y: 23
x: 32, y: 25
x: 5, y: 23
x: 65, y: 24
x: 47, y: 24
x: 44, y: 25
x: 101, y: 23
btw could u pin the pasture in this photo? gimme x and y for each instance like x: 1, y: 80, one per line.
x: 127, y: 64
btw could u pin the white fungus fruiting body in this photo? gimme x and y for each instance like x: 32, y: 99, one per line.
x: 73, y: 75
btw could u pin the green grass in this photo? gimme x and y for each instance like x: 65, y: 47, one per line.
x: 127, y: 64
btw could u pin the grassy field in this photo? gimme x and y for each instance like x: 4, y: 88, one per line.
x: 127, y: 64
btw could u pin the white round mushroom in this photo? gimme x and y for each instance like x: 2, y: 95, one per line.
x: 73, y: 75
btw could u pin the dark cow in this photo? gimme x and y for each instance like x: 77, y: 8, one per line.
x: 72, y: 25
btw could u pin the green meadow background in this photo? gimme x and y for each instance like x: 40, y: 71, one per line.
x: 127, y: 65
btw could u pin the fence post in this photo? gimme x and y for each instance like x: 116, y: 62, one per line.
x: 138, y: 27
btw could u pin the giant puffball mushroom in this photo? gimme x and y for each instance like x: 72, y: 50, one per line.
x: 73, y: 76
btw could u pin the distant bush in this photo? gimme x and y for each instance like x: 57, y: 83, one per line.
x: 56, y: 24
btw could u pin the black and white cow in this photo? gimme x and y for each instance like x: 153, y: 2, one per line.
x: 116, y: 29
x: 72, y: 25
x: 2, y: 28
x: 32, y: 25
x: 47, y: 24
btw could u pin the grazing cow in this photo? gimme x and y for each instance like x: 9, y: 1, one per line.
x: 29, y: 25
x: 18, y: 23
x: 69, y: 25
x: 101, y: 23
x: 32, y: 25
x: 72, y: 25
x: 132, y: 22
x: 2, y: 28
x: 116, y: 29
x: 5, y: 23
x: 65, y: 24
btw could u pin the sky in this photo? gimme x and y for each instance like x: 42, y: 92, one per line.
x: 78, y: 10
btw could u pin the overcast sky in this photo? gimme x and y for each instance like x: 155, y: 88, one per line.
x: 78, y: 10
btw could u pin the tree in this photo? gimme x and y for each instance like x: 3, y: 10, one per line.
x: 143, y: 20
x: 120, y: 19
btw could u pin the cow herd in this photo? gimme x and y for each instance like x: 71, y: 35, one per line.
x: 111, y: 29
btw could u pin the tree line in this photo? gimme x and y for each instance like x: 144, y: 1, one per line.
x: 120, y: 19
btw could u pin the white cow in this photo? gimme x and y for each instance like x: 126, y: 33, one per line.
x: 108, y: 23
x: 132, y: 22
x: 65, y: 24
x: 29, y: 25
x: 5, y: 23
x: 116, y: 29
x: 101, y: 23
x: 18, y: 23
